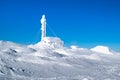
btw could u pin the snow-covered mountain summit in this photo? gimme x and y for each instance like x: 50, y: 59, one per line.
x: 51, y: 42
x: 49, y: 59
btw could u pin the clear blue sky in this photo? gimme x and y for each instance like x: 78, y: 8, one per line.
x: 86, y: 23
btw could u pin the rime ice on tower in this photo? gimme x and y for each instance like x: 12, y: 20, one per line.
x: 43, y: 27
x: 48, y: 42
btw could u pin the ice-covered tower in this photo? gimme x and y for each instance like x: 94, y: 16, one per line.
x: 43, y: 27
x: 47, y: 42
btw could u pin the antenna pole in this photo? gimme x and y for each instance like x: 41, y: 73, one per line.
x: 43, y: 27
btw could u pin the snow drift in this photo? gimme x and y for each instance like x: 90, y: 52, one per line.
x: 50, y: 42
x: 50, y: 60
x: 102, y: 49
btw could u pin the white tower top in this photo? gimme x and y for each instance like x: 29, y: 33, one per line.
x: 43, y: 27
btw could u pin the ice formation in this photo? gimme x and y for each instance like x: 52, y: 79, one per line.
x: 48, y: 42
x: 50, y: 60
x: 43, y: 27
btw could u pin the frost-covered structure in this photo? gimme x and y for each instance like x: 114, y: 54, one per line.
x: 43, y: 27
x: 51, y: 42
x: 50, y: 60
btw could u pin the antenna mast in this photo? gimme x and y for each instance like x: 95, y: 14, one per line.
x: 43, y: 27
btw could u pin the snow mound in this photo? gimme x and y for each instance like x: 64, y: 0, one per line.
x: 50, y: 60
x: 50, y: 42
x: 73, y: 47
x: 101, y: 49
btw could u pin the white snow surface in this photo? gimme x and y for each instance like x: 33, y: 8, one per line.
x: 49, y: 42
x: 50, y: 60
x: 102, y: 49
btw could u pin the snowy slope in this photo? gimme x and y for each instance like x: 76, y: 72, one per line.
x: 50, y: 60
x: 102, y: 49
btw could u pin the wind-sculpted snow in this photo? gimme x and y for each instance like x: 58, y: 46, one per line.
x: 49, y: 43
x: 50, y: 60
x: 102, y: 49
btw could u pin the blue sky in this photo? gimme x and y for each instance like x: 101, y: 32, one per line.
x: 85, y: 23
